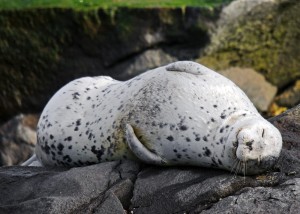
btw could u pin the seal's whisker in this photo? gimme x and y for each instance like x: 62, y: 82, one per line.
x: 234, y: 165
x: 244, y: 169
x: 238, y: 168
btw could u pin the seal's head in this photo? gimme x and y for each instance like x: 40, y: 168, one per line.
x: 257, y: 145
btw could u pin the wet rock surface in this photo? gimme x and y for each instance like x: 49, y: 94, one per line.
x: 120, y: 187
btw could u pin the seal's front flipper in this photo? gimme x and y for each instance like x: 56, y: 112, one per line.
x: 140, y: 151
x: 188, y: 67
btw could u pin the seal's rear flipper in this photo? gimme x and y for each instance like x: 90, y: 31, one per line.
x: 140, y: 151
x: 33, y: 161
x: 188, y: 67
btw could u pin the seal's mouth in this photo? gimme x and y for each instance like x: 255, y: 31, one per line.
x: 255, y: 166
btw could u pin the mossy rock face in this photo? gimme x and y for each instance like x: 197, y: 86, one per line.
x: 266, y: 38
x: 43, y: 49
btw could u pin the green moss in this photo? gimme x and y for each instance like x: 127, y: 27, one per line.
x: 267, y: 41
x: 87, y: 4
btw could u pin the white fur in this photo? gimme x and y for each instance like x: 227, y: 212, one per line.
x: 183, y: 113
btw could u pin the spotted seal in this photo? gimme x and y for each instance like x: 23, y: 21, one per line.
x: 180, y: 114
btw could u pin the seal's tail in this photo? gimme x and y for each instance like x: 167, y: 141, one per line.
x: 33, y: 161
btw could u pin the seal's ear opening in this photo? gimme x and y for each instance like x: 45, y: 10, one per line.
x: 140, y: 151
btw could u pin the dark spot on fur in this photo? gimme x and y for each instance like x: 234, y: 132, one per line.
x: 220, y: 162
x: 207, y: 152
x: 67, y: 158
x: 183, y: 128
x: 78, y: 122
x: 98, y: 152
x: 75, y: 96
x: 68, y: 138
x: 170, y: 138
x: 46, y: 148
x: 60, y: 147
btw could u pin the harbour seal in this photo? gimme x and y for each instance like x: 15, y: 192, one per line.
x: 179, y: 114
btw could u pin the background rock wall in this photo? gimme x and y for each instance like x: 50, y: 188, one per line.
x: 43, y: 49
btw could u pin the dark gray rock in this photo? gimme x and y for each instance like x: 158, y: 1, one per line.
x: 17, y: 139
x: 188, y: 189
x: 91, y: 189
x: 284, y: 198
x: 288, y: 124
x: 290, y: 97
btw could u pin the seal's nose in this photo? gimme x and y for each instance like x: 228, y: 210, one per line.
x: 249, y: 144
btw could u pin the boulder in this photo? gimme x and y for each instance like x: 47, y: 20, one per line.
x: 100, y: 188
x: 187, y: 189
x: 284, y: 198
x: 18, y: 139
x: 258, y: 34
x: 289, y: 97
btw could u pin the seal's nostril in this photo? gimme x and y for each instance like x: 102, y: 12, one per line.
x: 263, y: 133
x: 249, y: 144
